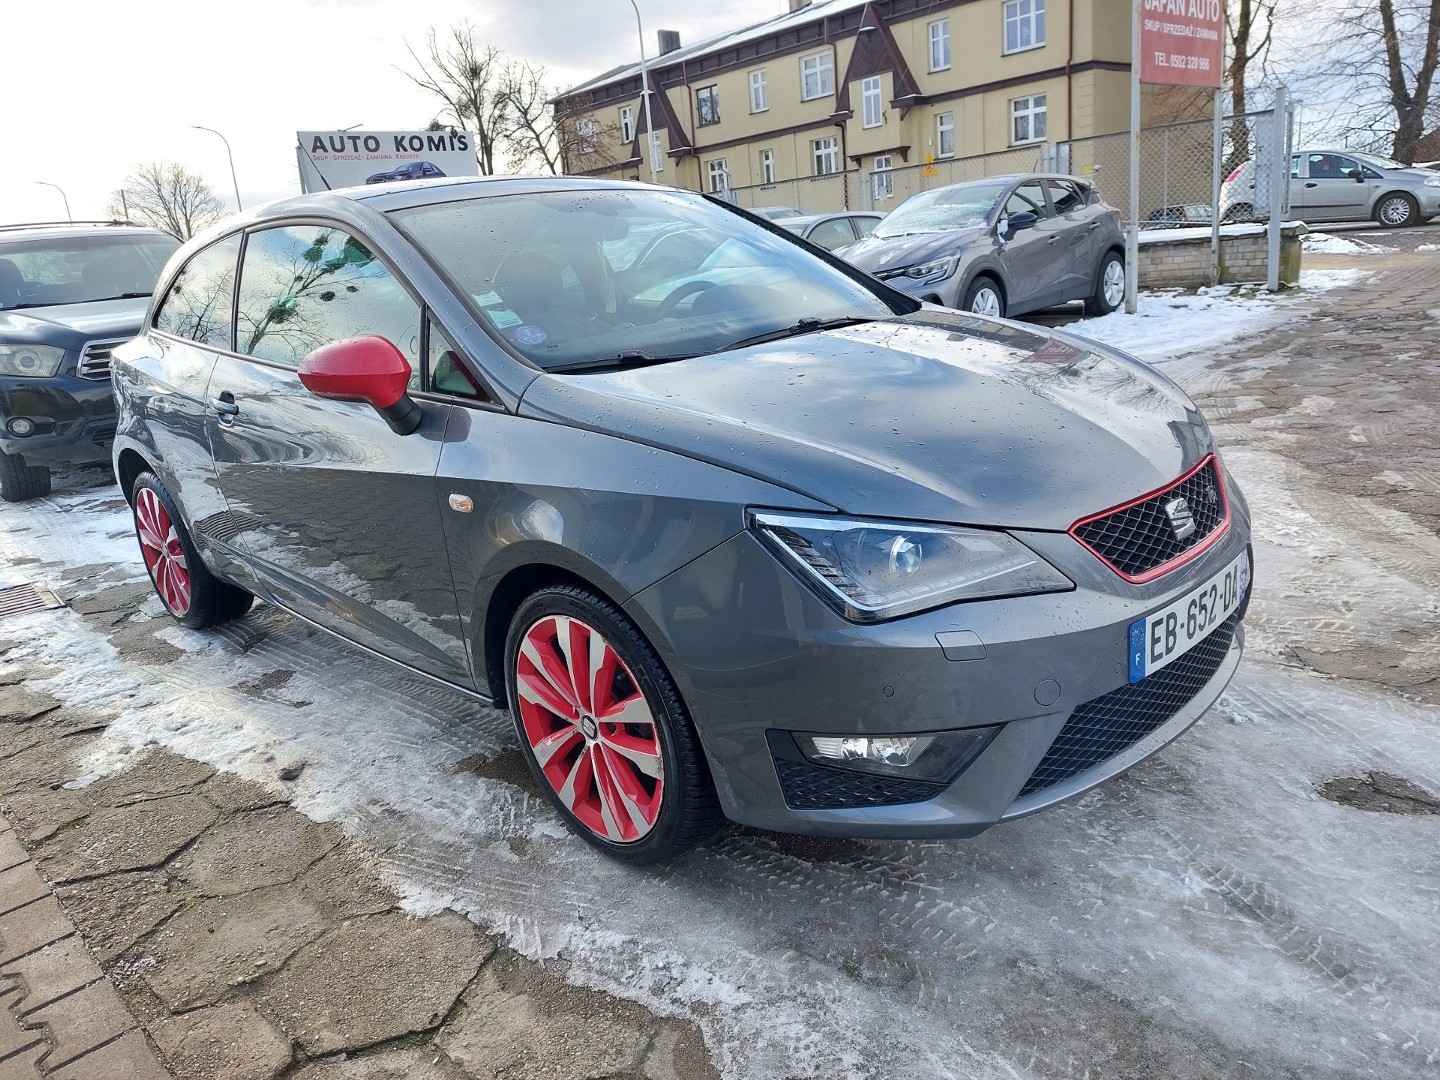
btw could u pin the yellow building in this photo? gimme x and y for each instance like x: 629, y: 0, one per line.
x: 838, y: 86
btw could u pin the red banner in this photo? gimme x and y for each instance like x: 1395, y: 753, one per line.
x: 1180, y: 41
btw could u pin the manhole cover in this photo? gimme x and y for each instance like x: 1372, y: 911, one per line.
x: 19, y: 599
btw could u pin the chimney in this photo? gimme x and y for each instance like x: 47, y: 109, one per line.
x: 796, y: 5
x: 669, y: 40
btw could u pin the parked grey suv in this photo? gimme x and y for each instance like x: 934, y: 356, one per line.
x: 763, y: 538
x: 1340, y: 185
x: 1001, y: 246
x: 69, y: 293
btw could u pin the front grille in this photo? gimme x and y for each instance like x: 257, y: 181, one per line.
x: 816, y: 787
x: 1113, y: 722
x: 1137, y: 540
x: 95, y: 359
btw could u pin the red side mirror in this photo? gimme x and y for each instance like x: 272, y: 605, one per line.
x: 368, y: 369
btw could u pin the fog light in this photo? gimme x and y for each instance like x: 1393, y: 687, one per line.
x: 936, y: 756
x: 21, y: 426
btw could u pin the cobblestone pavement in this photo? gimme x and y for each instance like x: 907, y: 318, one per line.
x: 220, y: 932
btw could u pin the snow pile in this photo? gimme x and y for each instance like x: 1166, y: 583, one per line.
x: 1324, y: 244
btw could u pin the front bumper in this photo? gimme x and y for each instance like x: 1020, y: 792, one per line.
x: 758, y: 656
x: 74, y: 418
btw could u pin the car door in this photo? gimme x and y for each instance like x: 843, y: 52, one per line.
x: 831, y: 234
x: 1077, y: 223
x: 340, y: 514
x: 1029, y: 257
x: 1328, y: 191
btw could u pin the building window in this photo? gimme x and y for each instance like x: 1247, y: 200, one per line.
x: 767, y: 166
x: 657, y: 159
x: 719, y: 176
x: 627, y: 124
x: 827, y: 155
x: 945, y: 135
x: 1024, y: 25
x: 759, y: 98
x: 817, y: 76
x: 1027, y: 119
x: 870, y: 113
x: 585, y: 129
x: 940, y: 45
x: 880, y: 180
x: 707, y: 104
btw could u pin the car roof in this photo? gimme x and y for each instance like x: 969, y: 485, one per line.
x: 69, y: 230
x: 813, y: 219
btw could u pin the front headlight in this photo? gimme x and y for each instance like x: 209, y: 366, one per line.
x: 35, y: 361
x: 932, y: 271
x: 874, y: 570
x: 1432, y: 181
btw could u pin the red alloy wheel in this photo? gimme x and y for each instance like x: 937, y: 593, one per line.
x: 591, y: 730
x: 164, y: 555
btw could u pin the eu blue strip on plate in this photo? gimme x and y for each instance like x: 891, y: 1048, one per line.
x: 1137, y: 650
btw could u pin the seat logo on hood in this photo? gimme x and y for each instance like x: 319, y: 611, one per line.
x: 1181, y: 519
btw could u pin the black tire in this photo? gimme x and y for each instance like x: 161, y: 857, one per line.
x: 686, y: 809
x: 209, y: 601
x: 1239, y: 212
x: 982, y: 285
x: 19, y: 481
x: 1103, y: 301
x: 1397, y: 210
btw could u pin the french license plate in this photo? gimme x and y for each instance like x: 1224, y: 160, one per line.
x: 1171, y: 632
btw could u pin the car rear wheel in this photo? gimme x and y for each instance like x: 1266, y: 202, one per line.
x: 19, y: 481
x: 604, y: 728
x: 1239, y: 212
x: 1109, y: 286
x: 984, y: 298
x: 1397, y: 210
x: 190, y: 593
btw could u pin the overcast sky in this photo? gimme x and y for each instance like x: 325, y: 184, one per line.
x: 95, y: 88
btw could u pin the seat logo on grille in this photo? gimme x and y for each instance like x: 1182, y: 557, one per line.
x: 1181, y: 519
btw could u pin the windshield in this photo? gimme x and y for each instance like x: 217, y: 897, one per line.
x: 48, y: 271
x: 570, y: 278
x: 1375, y: 161
x: 959, y: 207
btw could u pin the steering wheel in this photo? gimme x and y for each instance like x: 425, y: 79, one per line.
x: 676, y: 295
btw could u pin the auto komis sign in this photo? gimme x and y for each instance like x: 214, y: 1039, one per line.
x: 1180, y: 42
x: 336, y: 159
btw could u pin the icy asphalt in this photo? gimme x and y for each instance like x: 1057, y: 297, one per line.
x: 1211, y: 914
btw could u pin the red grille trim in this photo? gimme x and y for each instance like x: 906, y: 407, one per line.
x: 1191, y: 553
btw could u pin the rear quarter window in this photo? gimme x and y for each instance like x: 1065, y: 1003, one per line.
x: 200, y: 303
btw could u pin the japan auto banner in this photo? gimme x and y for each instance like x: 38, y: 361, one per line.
x: 1181, y: 42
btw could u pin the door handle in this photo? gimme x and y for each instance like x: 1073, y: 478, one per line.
x: 1052, y: 239
x: 1312, y: 184
x: 1094, y: 225
x: 225, y: 405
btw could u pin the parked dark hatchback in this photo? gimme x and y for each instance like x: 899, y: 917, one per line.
x: 1004, y: 245
x: 69, y: 293
x: 743, y: 533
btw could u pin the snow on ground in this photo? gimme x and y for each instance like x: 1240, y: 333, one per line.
x: 1208, y: 915
x: 1320, y: 243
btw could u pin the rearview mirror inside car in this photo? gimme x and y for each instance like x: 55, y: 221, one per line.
x: 369, y: 369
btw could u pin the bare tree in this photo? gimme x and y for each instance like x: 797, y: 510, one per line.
x: 1249, y: 25
x: 468, y: 78
x: 1382, y: 60
x: 533, y: 133
x: 167, y: 196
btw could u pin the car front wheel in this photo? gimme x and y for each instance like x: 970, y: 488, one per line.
x: 604, y: 728
x: 1109, y: 286
x: 20, y: 481
x: 1397, y: 210
x: 190, y: 593
x: 984, y: 298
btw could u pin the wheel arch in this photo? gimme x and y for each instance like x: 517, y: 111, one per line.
x: 129, y: 464
x: 993, y: 274
x: 1408, y: 196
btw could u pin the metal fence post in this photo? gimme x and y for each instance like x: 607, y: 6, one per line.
x: 1279, y: 187
x: 867, y: 190
x: 1217, y: 140
x: 1132, y: 235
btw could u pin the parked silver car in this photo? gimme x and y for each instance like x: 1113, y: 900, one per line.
x: 833, y: 231
x: 1001, y: 246
x: 1340, y: 185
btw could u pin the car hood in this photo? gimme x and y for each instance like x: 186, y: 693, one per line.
x: 100, y: 318
x: 937, y: 417
x: 877, y: 254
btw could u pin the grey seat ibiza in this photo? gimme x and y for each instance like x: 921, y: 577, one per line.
x: 732, y: 529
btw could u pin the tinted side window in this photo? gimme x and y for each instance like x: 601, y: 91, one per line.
x: 448, y: 374
x: 202, y: 297
x: 1065, y: 197
x: 832, y: 234
x: 304, y: 285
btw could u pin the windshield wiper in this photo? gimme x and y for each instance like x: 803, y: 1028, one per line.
x: 122, y: 296
x: 804, y: 326
x: 620, y: 362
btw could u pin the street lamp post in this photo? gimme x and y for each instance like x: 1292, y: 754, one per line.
x: 645, y: 97
x: 68, y: 216
x: 231, y: 156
